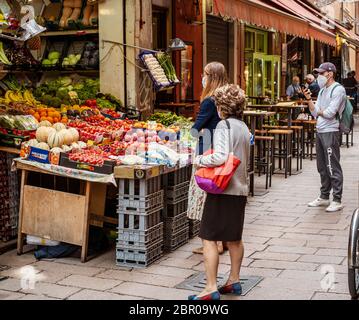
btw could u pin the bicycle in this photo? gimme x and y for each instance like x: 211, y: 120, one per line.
x: 353, y: 256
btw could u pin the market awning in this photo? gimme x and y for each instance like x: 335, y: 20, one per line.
x: 264, y: 15
x: 328, y: 23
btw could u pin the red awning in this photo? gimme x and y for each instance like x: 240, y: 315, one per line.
x: 264, y: 15
x: 331, y: 24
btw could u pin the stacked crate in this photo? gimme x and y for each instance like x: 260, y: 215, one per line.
x: 175, y: 213
x: 194, y: 227
x: 140, y: 233
x: 9, y: 198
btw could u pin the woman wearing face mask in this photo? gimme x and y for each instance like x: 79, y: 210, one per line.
x: 214, y: 77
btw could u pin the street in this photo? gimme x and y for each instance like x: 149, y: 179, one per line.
x: 299, y: 252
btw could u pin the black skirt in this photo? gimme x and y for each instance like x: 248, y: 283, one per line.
x: 223, y: 218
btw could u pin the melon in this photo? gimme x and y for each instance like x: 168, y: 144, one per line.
x: 43, y: 133
x: 68, y: 138
x: 59, y: 126
x: 75, y: 134
x: 56, y: 150
x: 32, y: 143
x: 43, y: 146
x: 55, y: 139
x: 45, y: 123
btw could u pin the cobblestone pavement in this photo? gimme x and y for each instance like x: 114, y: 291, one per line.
x: 291, y: 246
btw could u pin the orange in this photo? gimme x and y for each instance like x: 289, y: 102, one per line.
x: 51, y: 109
x: 50, y: 119
x: 64, y: 120
x: 57, y: 114
x: 43, y: 119
x: 56, y: 120
x: 43, y: 114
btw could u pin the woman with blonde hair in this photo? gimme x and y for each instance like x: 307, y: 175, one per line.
x: 214, y: 77
x: 223, y: 215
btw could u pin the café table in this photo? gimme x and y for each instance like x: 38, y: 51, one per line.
x: 290, y: 107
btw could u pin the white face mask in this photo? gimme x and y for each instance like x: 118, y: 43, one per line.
x: 322, y: 81
x: 204, y: 82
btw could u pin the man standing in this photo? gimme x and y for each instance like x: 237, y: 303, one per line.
x: 312, y: 85
x: 331, y: 103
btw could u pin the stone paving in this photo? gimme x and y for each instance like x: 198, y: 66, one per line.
x: 300, y: 253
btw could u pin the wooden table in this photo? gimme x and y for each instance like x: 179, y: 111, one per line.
x: 254, y: 115
x: 289, y: 106
x: 177, y: 106
x: 10, y: 150
x: 57, y: 215
x: 257, y: 99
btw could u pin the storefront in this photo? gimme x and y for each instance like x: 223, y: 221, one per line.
x: 262, y: 68
x: 274, y: 42
x: 84, y: 156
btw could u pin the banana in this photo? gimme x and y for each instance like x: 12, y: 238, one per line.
x: 7, y: 95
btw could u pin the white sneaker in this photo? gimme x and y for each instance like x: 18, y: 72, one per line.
x: 319, y: 203
x: 335, y: 207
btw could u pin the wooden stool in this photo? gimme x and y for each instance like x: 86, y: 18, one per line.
x: 265, y: 144
x: 284, y: 150
x: 298, y: 142
x: 309, y: 137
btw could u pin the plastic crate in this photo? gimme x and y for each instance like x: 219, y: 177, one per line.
x: 176, y: 224
x: 176, y: 240
x: 194, y: 228
x: 128, y: 237
x: 134, y: 221
x: 175, y: 209
x: 140, y: 187
x: 139, y: 204
x: 138, y: 258
x: 180, y: 176
x: 177, y: 193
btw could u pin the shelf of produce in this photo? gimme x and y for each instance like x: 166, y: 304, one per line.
x: 10, y: 150
x: 93, y: 71
x: 70, y: 33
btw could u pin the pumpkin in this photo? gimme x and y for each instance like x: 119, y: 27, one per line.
x: 75, y: 134
x: 55, y: 139
x: 43, y: 146
x: 43, y: 133
x: 68, y: 138
x: 32, y: 143
x: 56, y: 150
x: 45, y: 123
x: 59, y: 126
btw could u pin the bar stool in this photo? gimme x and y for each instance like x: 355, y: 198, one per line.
x: 309, y: 137
x: 266, y: 144
x: 284, y: 149
x: 297, y: 143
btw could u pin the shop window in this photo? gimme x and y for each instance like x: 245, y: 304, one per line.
x: 261, y: 42
x: 249, y: 41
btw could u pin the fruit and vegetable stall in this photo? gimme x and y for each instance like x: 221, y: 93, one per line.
x: 84, y: 159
